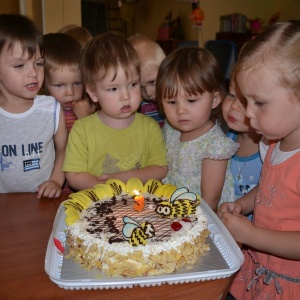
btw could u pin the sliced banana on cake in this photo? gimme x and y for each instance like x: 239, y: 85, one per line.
x: 160, y: 191
x: 116, y: 185
x: 151, y: 186
x: 103, y: 191
x: 79, y: 201
x: 72, y: 215
x: 90, y: 193
x: 169, y: 191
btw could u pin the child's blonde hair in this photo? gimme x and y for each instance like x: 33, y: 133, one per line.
x: 195, y: 69
x: 278, y: 48
x: 16, y: 28
x: 149, y: 52
x: 105, y: 54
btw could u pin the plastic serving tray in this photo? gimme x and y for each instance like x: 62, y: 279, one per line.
x: 223, y: 259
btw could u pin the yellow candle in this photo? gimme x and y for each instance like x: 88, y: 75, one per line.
x: 138, y: 201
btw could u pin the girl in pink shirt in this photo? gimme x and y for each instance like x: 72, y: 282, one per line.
x: 268, y: 75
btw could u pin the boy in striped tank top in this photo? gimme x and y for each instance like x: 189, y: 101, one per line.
x: 63, y: 78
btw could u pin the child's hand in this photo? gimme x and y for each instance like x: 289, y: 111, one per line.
x: 49, y: 189
x: 238, y: 225
x: 82, y: 108
x: 229, y: 207
x: 103, y: 178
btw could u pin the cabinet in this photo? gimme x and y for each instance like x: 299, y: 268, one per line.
x: 239, y: 38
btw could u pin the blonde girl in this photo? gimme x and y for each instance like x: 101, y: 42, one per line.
x: 268, y: 75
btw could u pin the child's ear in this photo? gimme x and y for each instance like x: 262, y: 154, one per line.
x: 216, y: 100
x: 90, y: 90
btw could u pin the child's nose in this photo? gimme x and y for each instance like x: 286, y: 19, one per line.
x: 237, y: 105
x: 249, y: 112
x: 125, y: 94
x: 69, y: 91
x: 149, y: 91
x: 181, y: 109
x: 32, y: 72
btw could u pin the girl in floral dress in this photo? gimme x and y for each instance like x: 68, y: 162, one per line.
x: 190, y: 89
x: 268, y: 75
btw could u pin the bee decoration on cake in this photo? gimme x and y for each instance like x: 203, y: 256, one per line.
x: 182, y: 203
x: 137, y: 234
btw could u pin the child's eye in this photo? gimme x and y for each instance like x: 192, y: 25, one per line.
x: 39, y: 62
x: 18, y: 66
x: 171, y: 102
x: 192, y: 100
x: 259, y: 104
x: 78, y: 83
x: 113, y: 89
x: 151, y: 83
x: 133, y: 84
x: 58, y: 85
x: 231, y: 95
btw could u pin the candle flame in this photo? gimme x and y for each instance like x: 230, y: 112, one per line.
x: 136, y: 192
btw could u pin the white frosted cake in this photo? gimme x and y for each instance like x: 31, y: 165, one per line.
x: 112, y: 229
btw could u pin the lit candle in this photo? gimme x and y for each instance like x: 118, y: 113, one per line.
x: 138, y: 201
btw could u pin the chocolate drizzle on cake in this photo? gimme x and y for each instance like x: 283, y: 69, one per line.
x: 105, y: 218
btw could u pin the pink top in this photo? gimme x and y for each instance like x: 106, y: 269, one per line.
x: 277, y: 207
x: 70, y: 119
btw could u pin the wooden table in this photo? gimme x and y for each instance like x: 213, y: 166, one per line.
x: 25, y: 227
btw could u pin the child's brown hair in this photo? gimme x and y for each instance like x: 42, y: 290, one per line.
x: 61, y: 50
x: 195, y: 69
x: 105, y: 54
x: 16, y: 28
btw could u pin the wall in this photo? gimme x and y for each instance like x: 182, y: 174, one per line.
x: 58, y: 13
x: 9, y: 7
x: 33, y: 9
x: 150, y: 14
x: 30, y: 8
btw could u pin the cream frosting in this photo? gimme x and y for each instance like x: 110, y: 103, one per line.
x: 168, y: 241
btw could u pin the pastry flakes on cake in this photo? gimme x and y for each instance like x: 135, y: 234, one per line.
x: 107, y: 232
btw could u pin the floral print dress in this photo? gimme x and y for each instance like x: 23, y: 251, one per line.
x: 185, y: 159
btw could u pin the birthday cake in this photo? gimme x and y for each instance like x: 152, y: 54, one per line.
x: 134, y: 229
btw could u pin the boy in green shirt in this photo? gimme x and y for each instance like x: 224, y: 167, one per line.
x: 116, y: 141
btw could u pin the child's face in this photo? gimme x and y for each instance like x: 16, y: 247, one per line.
x: 65, y: 84
x: 20, y: 77
x: 148, y: 82
x: 234, y: 111
x: 273, y: 110
x: 191, y: 113
x: 119, y: 98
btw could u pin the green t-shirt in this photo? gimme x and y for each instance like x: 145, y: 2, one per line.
x: 98, y: 149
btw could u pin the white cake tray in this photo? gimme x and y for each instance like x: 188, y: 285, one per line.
x: 224, y: 259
